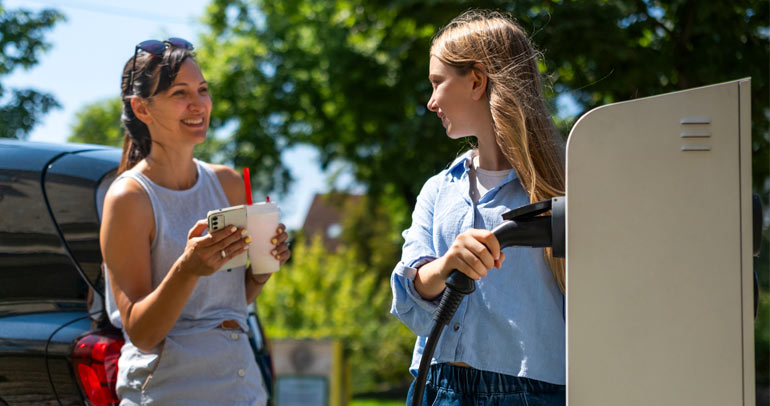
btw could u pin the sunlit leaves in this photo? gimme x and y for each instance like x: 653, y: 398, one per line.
x: 22, y: 40
x: 99, y: 123
x: 337, y: 296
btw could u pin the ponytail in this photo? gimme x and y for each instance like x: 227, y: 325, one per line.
x: 137, y: 141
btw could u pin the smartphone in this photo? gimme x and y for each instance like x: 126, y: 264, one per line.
x: 229, y: 216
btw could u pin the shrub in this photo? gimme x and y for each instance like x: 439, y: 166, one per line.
x: 334, y: 295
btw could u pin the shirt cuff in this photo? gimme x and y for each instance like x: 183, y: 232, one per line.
x: 409, y: 272
x: 421, y: 261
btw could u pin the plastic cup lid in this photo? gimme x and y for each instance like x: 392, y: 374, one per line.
x: 262, y: 207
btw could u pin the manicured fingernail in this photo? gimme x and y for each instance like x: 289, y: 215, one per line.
x: 244, y: 232
x: 233, y: 229
x: 277, y: 257
x: 274, y: 241
x: 248, y: 239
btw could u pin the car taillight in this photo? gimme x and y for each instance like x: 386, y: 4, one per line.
x: 95, y: 360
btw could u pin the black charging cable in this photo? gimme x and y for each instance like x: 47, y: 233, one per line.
x: 458, y: 285
x: 520, y: 228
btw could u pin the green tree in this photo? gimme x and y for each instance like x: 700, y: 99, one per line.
x: 21, y: 43
x: 608, y: 51
x: 350, y: 76
x: 317, y: 72
x: 99, y: 123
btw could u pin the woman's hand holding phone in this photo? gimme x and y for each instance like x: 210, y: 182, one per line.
x: 204, y: 255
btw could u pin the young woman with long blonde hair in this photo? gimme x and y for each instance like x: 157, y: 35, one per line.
x: 505, y: 344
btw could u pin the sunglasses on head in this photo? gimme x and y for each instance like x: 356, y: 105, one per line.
x: 156, y: 48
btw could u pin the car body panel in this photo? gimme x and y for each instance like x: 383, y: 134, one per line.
x: 31, y: 248
x: 43, y: 297
x: 24, y: 376
x: 59, y: 359
x: 77, y: 176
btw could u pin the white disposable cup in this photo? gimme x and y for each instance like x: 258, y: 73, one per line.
x: 261, y: 223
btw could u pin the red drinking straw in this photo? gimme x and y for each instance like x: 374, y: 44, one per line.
x: 247, y: 184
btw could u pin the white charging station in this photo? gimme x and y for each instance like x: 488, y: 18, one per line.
x: 659, y: 251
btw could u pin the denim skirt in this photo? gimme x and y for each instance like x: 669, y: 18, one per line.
x: 448, y: 384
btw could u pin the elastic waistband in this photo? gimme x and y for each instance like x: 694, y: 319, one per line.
x: 470, y: 380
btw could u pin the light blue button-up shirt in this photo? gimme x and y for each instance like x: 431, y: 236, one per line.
x: 514, y: 322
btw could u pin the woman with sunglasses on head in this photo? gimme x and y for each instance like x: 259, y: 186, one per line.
x: 505, y: 344
x: 184, y: 321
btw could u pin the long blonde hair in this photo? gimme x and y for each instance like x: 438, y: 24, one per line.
x: 523, y: 126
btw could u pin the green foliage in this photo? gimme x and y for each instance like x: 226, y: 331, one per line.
x: 300, y: 304
x: 350, y: 76
x: 211, y: 150
x: 323, y: 295
x: 602, y: 51
x: 99, y: 123
x: 376, y: 402
x: 21, y: 43
x: 372, y: 230
x: 347, y: 77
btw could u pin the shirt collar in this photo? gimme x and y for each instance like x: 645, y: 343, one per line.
x: 460, y: 167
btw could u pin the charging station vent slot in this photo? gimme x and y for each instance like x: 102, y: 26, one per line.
x: 695, y: 120
x: 692, y: 137
x: 696, y: 148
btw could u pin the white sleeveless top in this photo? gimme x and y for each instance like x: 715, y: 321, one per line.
x: 195, y: 355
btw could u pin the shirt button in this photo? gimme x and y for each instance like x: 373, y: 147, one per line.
x: 234, y: 336
x: 241, y: 372
x: 456, y: 326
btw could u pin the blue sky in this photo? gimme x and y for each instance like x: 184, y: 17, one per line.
x: 85, y: 61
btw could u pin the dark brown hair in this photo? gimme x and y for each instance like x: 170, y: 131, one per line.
x: 153, y: 74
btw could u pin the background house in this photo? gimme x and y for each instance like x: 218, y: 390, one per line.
x: 325, y: 217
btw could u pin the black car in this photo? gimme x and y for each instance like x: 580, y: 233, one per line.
x: 57, y: 346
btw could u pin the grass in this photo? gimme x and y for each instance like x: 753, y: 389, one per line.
x: 376, y: 402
